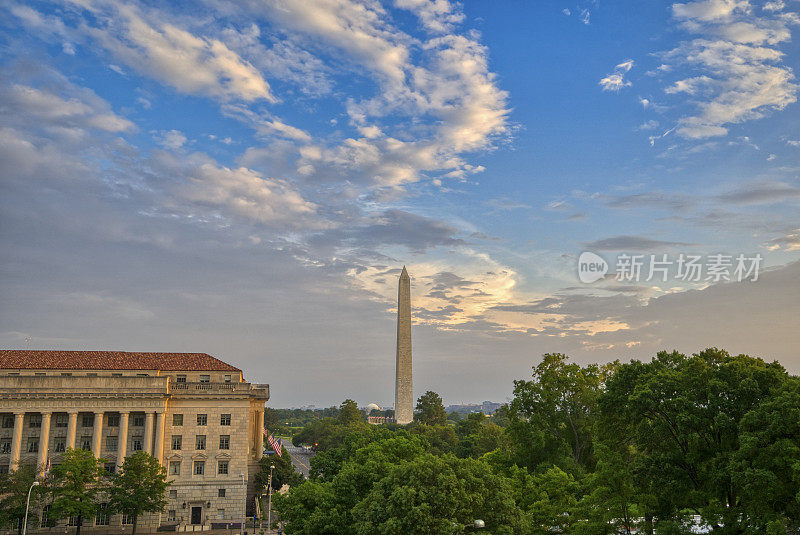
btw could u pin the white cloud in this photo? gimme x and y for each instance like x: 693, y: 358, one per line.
x: 78, y: 107
x: 744, y: 76
x: 172, y: 55
x: 616, y: 80
x: 244, y: 193
x: 435, y: 15
x: 710, y: 10
x: 172, y: 139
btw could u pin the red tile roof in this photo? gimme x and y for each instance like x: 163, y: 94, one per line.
x: 110, y: 360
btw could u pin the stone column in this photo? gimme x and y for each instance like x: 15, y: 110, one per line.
x: 259, y: 434
x: 148, y: 433
x: 97, y: 434
x: 122, y: 446
x: 72, y: 427
x: 16, y: 441
x: 44, y: 442
x: 158, y: 450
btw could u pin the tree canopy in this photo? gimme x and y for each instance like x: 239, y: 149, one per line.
x: 651, y: 447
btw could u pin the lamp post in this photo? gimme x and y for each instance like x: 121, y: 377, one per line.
x: 269, y: 498
x: 27, y: 505
x: 244, y: 511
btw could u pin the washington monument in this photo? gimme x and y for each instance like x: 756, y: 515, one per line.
x: 403, y: 391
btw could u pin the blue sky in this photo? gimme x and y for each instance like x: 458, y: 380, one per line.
x: 248, y: 178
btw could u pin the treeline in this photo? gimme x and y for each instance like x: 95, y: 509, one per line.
x: 680, y: 444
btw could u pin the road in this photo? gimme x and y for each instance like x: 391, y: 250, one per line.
x: 301, y: 458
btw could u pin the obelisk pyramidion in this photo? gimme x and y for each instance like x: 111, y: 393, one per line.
x: 403, y: 392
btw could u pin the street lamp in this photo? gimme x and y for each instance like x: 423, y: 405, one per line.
x: 244, y: 511
x: 269, y: 499
x: 27, y: 505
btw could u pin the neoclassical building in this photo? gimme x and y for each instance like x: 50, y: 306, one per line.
x: 193, y: 412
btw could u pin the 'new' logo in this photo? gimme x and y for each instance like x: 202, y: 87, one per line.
x: 591, y: 267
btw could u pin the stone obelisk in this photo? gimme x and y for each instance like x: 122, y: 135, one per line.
x: 403, y: 392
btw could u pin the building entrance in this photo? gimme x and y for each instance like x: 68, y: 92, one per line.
x: 197, y: 515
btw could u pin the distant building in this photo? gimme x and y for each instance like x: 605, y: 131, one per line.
x: 193, y: 412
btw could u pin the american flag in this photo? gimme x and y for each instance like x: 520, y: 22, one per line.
x: 276, y: 443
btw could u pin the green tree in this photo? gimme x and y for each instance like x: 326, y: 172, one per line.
x: 685, y: 415
x: 430, y: 409
x: 273, y: 421
x: 325, y: 506
x: 14, y: 487
x: 766, y: 467
x: 283, y: 474
x: 349, y: 413
x: 138, y: 487
x: 438, y: 494
x: 78, y: 484
x: 477, y: 436
x: 552, y: 415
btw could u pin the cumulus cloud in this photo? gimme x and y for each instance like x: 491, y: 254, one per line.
x: 744, y: 75
x: 191, y: 64
x: 72, y: 107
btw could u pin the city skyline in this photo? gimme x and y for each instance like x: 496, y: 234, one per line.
x: 244, y: 178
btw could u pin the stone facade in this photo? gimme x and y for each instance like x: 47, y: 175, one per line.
x: 403, y: 390
x: 204, y: 425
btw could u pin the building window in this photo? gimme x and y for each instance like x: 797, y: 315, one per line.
x: 220, y: 514
x: 110, y: 467
x: 66, y: 374
x: 5, y: 445
x: 39, y: 374
x: 199, y: 468
x: 202, y: 419
x: 205, y: 378
x: 142, y: 375
x: 181, y: 379
x: 227, y: 378
x: 86, y: 443
x: 73, y: 520
x: 177, y: 442
x: 3, y: 468
x: 112, y: 443
x: 102, y: 518
x: 220, y: 493
x: 113, y: 420
x: 61, y: 420
x: 173, y: 493
x: 35, y: 421
x: 116, y: 375
x: 171, y: 515
x: 200, y: 442
x: 224, y: 442
x: 33, y: 444
x: 127, y: 520
x: 92, y: 374
x: 177, y: 419
x: 87, y: 420
x: 174, y: 470
x: 45, y: 518
x: 8, y: 421
x: 138, y: 420
x: 224, y: 419
x: 222, y: 468
x: 60, y: 445
x: 136, y: 443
